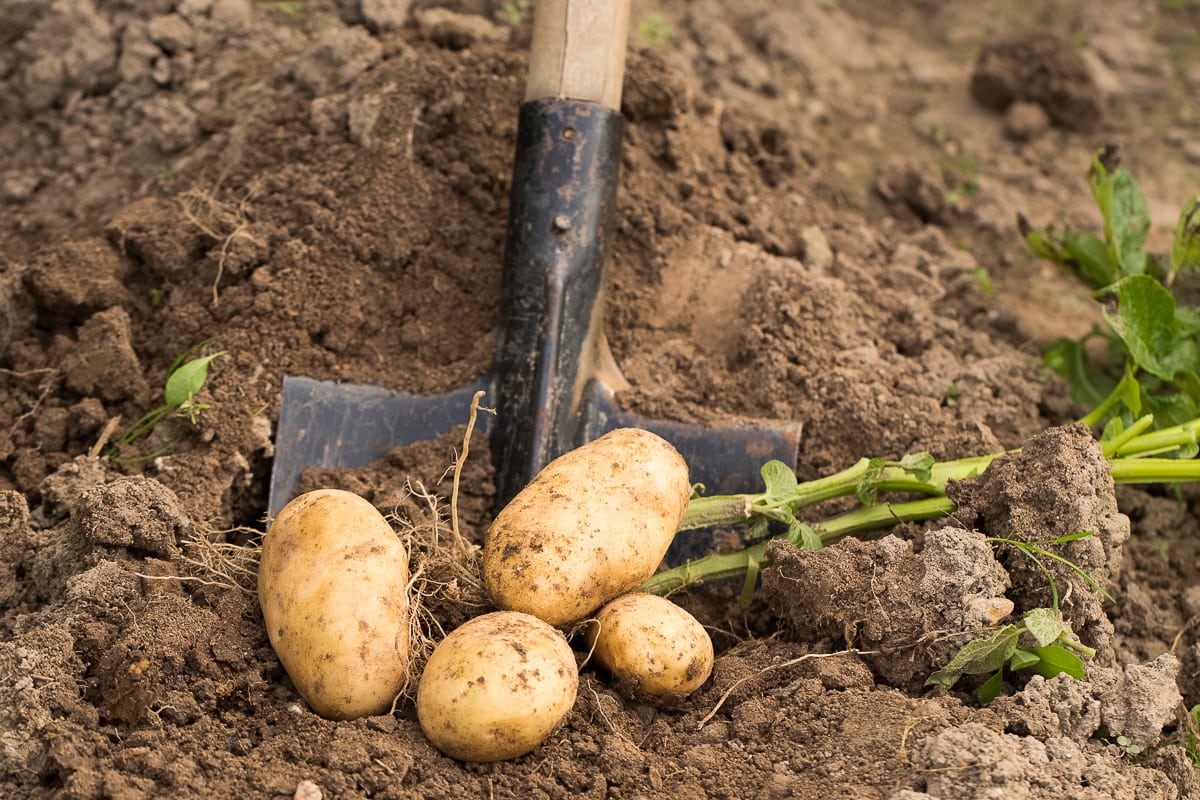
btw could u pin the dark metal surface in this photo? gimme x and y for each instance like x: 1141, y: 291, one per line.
x: 329, y: 425
x: 561, y: 216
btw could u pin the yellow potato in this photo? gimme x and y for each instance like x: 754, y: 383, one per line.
x: 333, y: 583
x: 496, y: 687
x: 651, y: 646
x: 592, y: 525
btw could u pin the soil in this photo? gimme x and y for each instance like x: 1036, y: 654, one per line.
x: 816, y: 224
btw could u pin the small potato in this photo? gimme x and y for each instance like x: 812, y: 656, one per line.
x: 651, y: 646
x: 333, y: 583
x: 496, y: 687
x: 592, y: 525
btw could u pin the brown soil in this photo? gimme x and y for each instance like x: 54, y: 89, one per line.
x: 816, y: 224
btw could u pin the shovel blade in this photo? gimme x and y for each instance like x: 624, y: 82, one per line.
x: 332, y: 425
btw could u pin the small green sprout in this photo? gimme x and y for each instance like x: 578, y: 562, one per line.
x: 291, y: 8
x: 655, y: 30
x: 951, y: 395
x: 983, y: 280
x: 514, y: 11
x: 185, y: 379
x: 1126, y: 744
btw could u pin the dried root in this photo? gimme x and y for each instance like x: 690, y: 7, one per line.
x: 446, y: 588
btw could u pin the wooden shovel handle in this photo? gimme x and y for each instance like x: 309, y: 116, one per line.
x: 578, y: 51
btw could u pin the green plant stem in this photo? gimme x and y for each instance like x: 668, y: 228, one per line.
x: 738, y: 509
x: 1155, y: 470
x: 708, y: 512
x: 728, y: 565
x: 1100, y: 412
x: 1185, y: 433
x: 1079, y: 647
x: 1125, y: 458
x: 1113, y: 446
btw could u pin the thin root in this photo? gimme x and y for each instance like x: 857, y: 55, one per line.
x: 459, y: 542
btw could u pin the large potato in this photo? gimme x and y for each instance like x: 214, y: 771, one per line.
x: 651, y: 646
x: 333, y: 585
x: 593, y: 524
x: 496, y: 687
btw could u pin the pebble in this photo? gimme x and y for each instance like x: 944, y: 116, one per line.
x: 307, y: 790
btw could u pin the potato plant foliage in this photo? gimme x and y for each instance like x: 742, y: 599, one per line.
x: 1144, y: 397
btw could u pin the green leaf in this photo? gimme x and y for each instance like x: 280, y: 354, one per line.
x: 1145, y: 321
x: 1087, y: 383
x: 990, y: 689
x: 1125, y: 211
x: 1091, y: 257
x: 1022, y: 659
x: 978, y: 656
x: 1185, y: 251
x: 1131, y: 390
x: 183, y: 384
x: 919, y: 465
x: 803, y: 536
x: 1042, y: 243
x: 1071, y: 537
x: 868, y: 485
x: 1044, y: 625
x: 1187, y: 319
x: 1171, y: 409
x: 1055, y: 660
x: 758, y: 530
x: 779, y: 480
x: 1085, y: 253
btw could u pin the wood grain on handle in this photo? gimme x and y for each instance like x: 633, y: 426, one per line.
x: 578, y: 50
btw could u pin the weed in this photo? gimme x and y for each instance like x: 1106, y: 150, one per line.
x: 290, y: 8
x: 961, y: 172
x: 951, y: 395
x: 655, y: 30
x: 1191, y: 739
x: 185, y: 379
x: 514, y: 11
x: 1051, y: 649
x: 1126, y: 744
x: 983, y: 280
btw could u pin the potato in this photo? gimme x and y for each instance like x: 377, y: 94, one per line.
x: 592, y: 525
x: 333, y: 585
x: 651, y: 646
x: 496, y: 687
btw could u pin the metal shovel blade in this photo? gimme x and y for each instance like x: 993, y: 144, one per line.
x: 552, y: 381
x: 331, y: 425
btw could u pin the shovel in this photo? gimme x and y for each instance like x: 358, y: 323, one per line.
x: 553, y: 380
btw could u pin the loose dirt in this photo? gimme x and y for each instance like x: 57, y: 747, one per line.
x: 816, y: 223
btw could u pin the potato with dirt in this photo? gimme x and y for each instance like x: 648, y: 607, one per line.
x: 652, y: 647
x: 496, y: 687
x: 333, y: 586
x: 592, y: 525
